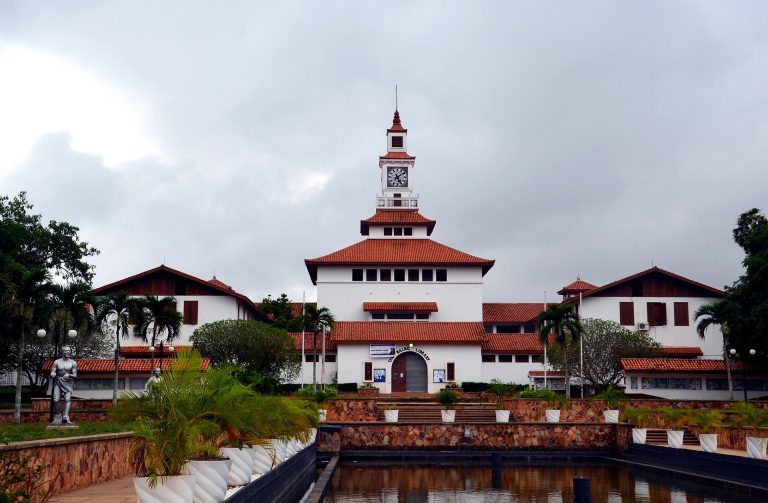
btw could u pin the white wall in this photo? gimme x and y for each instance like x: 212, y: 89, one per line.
x: 458, y: 299
x: 377, y: 231
x: 690, y: 394
x: 508, y: 372
x: 466, y: 358
x: 327, y: 377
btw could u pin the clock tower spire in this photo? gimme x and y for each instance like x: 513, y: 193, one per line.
x: 397, y: 170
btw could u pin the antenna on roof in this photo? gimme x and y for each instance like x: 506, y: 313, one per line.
x: 395, y: 96
x: 578, y: 274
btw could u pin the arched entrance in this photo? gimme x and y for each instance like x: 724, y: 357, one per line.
x: 409, y: 373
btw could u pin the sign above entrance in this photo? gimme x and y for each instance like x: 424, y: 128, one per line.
x: 382, y: 350
x: 410, y: 347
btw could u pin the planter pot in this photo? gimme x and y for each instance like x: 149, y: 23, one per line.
x: 708, y: 442
x: 242, y: 465
x: 675, y: 438
x: 553, y: 415
x: 449, y: 416
x: 391, y: 416
x: 263, y: 459
x: 211, y: 480
x: 639, y: 435
x: 176, y: 489
x: 278, y: 448
x: 502, y: 416
x: 756, y: 447
x: 323, y: 413
x: 291, y: 448
x: 611, y: 416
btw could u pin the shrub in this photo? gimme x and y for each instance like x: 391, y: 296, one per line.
x: 612, y: 396
x: 447, y: 397
x: 749, y: 416
x: 639, y: 418
x: 347, y: 387
x: 543, y: 394
x: 319, y: 395
x: 709, y: 420
x: 677, y: 418
x: 474, y: 387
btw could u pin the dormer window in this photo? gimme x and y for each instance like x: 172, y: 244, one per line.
x: 397, y: 142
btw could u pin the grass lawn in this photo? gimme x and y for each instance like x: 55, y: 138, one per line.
x: 37, y: 431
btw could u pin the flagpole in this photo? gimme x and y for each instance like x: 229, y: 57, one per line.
x: 303, y: 302
x: 546, y: 341
x: 581, y: 351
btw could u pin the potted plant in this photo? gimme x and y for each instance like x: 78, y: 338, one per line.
x: 499, y: 390
x: 710, y: 421
x: 640, y: 419
x: 611, y: 396
x: 749, y: 416
x: 677, y: 419
x: 319, y: 396
x: 555, y: 404
x: 391, y: 413
x: 448, y: 398
x: 367, y: 389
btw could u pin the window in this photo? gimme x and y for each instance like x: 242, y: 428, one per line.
x: 413, y: 275
x: 368, y: 371
x: 507, y: 329
x: 357, y: 275
x: 505, y: 358
x: 442, y: 275
x: 489, y: 358
x: 529, y: 329
x: 400, y: 316
x: 398, y: 231
x: 385, y: 275
x: 536, y: 359
x: 377, y: 316
x: 330, y: 358
x: 190, y: 312
x: 399, y: 274
x: 370, y: 274
x: 426, y: 275
x: 309, y: 358
x: 397, y: 142
x: 681, y: 314
x: 387, y: 231
x: 521, y: 358
x: 136, y: 383
x: 626, y: 313
x: 422, y: 316
x: 450, y: 371
x: 408, y: 231
x: 657, y: 314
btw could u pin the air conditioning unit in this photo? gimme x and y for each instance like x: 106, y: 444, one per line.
x: 643, y: 326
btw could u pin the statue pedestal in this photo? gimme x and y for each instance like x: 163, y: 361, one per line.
x: 62, y: 426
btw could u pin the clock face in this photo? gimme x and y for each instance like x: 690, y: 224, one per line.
x: 397, y: 177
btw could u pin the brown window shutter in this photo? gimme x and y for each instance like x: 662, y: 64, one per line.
x: 450, y: 371
x: 190, y: 312
x: 662, y: 313
x: 368, y: 371
x: 627, y: 313
x: 681, y: 314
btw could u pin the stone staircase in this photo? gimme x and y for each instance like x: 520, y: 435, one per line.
x: 659, y: 437
x: 428, y: 411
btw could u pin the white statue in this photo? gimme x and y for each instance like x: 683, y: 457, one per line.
x: 63, y: 372
x: 154, y: 378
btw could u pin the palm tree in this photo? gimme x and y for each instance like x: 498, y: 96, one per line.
x: 114, y: 310
x: 561, y: 321
x: 314, y: 319
x: 70, y: 309
x: 162, y: 316
x: 714, y: 313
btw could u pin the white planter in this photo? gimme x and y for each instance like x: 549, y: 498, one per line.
x: 756, y: 447
x: 176, y: 489
x: 553, y: 415
x: 278, y: 448
x: 242, y: 465
x: 708, y: 442
x: 291, y: 448
x: 263, y: 459
x: 639, y: 435
x: 211, y: 479
x: 313, y: 435
x: 611, y: 416
x: 390, y: 416
x: 675, y: 438
x: 502, y: 416
x: 449, y: 416
x: 323, y: 413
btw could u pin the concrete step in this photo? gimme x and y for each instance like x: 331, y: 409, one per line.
x: 657, y: 436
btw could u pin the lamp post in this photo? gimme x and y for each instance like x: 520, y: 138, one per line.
x: 322, y: 362
x: 57, y: 340
x: 170, y: 349
x: 752, y: 352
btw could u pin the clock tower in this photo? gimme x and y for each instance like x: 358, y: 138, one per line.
x: 397, y: 171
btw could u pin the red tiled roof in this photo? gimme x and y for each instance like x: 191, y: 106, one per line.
x: 681, y: 351
x: 405, y: 332
x: 679, y: 365
x: 396, y: 123
x: 219, y: 283
x: 511, y: 312
x: 296, y: 307
x: 513, y: 344
x: 329, y: 344
x: 397, y: 252
x: 550, y: 373
x: 400, y: 307
x: 410, y: 217
x: 577, y: 286
x: 127, y: 366
x: 397, y: 155
x: 144, y: 350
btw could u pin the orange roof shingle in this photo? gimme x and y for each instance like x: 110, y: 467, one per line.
x: 513, y: 344
x: 682, y: 351
x: 329, y: 343
x: 511, y: 312
x: 397, y: 155
x: 577, y: 286
x: 127, y: 366
x: 679, y: 365
x: 405, y: 332
x: 144, y: 350
x: 400, y: 307
x: 410, y: 217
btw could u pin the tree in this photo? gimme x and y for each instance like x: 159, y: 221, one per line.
x: 315, y: 318
x: 712, y: 314
x: 561, y: 321
x: 604, y: 343
x: 258, y: 347
x: 280, y: 313
x: 112, y: 312
x: 159, y: 314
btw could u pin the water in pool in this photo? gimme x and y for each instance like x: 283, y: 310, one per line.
x: 421, y: 483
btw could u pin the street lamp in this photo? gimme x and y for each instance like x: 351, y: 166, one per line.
x: 170, y: 349
x: 57, y: 340
x: 752, y: 352
x: 322, y: 362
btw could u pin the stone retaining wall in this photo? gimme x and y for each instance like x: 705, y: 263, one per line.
x: 733, y: 438
x: 34, y: 416
x: 77, y: 462
x: 77, y: 403
x: 356, y: 410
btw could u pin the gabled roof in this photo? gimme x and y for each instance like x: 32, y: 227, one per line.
x: 127, y: 366
x: 213, y: 285
x: 400, y: 307
x: 512, y: 344
x: 713, y: 292
x: 330, y: 345
x: 680, y: 365
x: 397, y: 217
x: 392, y: 252
x: 511, y: 312
x: 405, y: 332
x: 577, y: 286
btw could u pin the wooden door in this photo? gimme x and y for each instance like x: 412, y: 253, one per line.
x: 399, y: 378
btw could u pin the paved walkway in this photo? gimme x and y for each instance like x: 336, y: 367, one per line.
x: 114, y: 491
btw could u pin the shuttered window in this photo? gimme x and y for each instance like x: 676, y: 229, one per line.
x: 397, y: 142
x: 627, y: 313
x: 657, y: 314
x: 681, y: 314
x: 190, y: 312
x: 450, y: 371
x: 368, y: 371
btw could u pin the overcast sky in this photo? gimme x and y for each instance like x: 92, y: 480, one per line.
x: 555, y: 137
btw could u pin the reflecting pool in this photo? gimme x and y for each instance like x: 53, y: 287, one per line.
x: 417, y: 483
